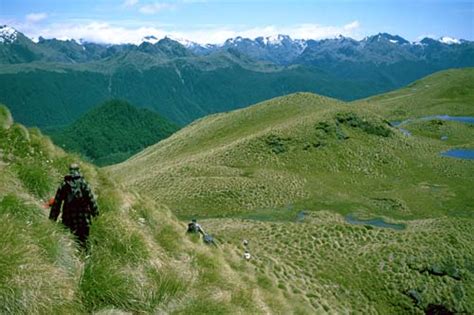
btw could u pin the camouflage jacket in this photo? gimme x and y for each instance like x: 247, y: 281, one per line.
x: 77, y: 201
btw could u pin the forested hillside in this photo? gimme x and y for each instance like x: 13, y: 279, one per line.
x: 113, y: 131
x: 52, y: 83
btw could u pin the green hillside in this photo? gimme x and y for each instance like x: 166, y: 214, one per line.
x: 292, y: 173
x: 113, y: 131
x: 443, y: 93
x: 282, y: 174
x: 140, y: 262
x: 181, y: 90
x: 309, y: 152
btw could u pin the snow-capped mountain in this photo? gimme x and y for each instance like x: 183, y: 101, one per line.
x: 7, y: 34
x: 387, y: 38
x: 278, y: 49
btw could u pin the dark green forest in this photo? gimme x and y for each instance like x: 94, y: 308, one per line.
x: 113, y: 131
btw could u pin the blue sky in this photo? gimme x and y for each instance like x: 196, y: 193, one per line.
x: 213, y: 21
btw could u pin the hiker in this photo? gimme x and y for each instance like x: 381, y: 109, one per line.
x: 195, y: 227
x: 78, y: 204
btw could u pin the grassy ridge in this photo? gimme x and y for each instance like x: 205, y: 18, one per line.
x: 311, y: 152
x: 141, y: 261
x: 443, y: 93
x: 313, y: 160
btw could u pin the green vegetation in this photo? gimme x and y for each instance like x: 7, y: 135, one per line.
x: 281, y: 174
x: 443, y: 93
x: 313, y: 153
x: 113, y: 131
x: 181, y: 89
x: 333, y: 267
x: 140, y: 259
x: 5, y: 117
x: 284, y: 173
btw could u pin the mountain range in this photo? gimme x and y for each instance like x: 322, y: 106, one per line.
x: 279, y: 49
x: 51, y: 82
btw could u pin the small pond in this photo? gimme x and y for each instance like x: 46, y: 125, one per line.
x: 378, y: 222
x: 463, y: 119
x: 465, y: 154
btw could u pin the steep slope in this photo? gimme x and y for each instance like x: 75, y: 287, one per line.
x: 181, y: 90
x: 113, y: 131
x: 140, y: 261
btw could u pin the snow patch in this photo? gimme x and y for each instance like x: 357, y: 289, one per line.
x: 7, y: 34
x: 185, y: 42
x: 275, y: 40
x: 449, y: 40
x: 393, y: 41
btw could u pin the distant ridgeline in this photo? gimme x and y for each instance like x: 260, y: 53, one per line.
x: 113, y: 131
x: 53, y: 82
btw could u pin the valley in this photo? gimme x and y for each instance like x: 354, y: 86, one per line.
x: 185, y: 81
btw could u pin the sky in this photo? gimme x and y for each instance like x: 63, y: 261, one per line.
x: 214, y: 21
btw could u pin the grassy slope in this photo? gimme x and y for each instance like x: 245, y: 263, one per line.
x: 443, y: 93
x: 308, y: 151
x: 141, y: 260
x: 274, y: 160
x: 334, y: 267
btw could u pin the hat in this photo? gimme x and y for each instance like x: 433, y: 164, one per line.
x: 74, y: 169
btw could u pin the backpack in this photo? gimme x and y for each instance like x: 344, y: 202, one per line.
x: 191, y: 227
x: 75, y: 187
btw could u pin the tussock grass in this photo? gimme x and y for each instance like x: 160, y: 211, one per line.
x: 266, y: 165
x: 39, y: 267
x: 443, y: 93
x: 325, y: 263
x: 140, y: 259
x: 305, y: 150
x: 6, y: 119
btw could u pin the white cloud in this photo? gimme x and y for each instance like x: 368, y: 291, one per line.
x: 36, y: 17
x: 130, y: 3
x: 98, y: 32
x: 102, y: 32
x: 352, y: 26
x: 156, y: 7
